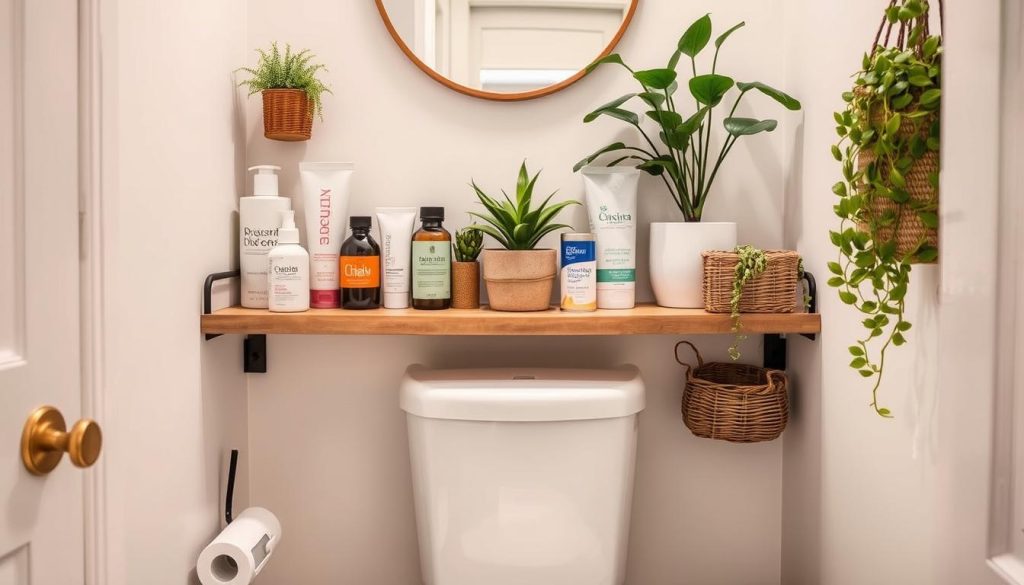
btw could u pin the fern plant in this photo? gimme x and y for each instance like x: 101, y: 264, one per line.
x: 287, y: 71
x: 517, y: 225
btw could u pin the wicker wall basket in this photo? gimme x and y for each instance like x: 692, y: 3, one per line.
x: 734, y: 402
x: 287, y: 115
x: 908, y: 231
x: 772, y: 291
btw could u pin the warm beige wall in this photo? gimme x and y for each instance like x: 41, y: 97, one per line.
x: 172, y: 159
x: 327, y: 437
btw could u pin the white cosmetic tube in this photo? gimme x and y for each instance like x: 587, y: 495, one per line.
x: 611, y: 207
x: 326, y: 188
x: 396, y: 226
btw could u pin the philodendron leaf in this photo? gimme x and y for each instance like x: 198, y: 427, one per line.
x: 615, y: 103
x: 709, y: 89
x: 788, y: 101
x: 696, y: 37
x: 610, y: 148
x: 652, y: 98
x: 620, y: 114
x: 657, y: 166
x: 665, y: 118
x: 676, y: 138
x: 693, y: 122
x: 721, y: 38
x: 612, y: 58
x: 748, y: 126
x: 656, y: 78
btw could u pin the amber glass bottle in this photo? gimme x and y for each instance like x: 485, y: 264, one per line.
x: 359, y: 268
x: 431, y: 262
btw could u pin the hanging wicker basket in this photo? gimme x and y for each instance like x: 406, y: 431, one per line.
x: 734, y: 402
x: 772, y: 291
x: 287, y: 115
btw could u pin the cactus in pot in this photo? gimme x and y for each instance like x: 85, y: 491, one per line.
x: 466, y: 270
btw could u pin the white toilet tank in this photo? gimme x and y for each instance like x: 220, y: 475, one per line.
x: 522, y: 476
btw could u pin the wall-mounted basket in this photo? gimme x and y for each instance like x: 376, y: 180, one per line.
x: 287, y: 115
x: 772, y: 291
x: 734, y: 402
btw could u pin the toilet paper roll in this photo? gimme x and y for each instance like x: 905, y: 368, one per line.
x: 241, y: 550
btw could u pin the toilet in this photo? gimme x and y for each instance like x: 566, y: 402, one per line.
x: 522, y: 476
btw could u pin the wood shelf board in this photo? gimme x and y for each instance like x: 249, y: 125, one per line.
x: 645, y: 319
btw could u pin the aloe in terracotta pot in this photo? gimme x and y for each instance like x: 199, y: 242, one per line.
x: 518, y: 276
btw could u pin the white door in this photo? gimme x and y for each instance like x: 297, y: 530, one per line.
x: 41, y: 516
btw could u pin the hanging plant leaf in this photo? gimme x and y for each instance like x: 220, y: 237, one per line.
x: 710, y: 89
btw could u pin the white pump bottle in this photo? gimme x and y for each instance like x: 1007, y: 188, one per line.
x: 259, y: 217
x: 288, y: 269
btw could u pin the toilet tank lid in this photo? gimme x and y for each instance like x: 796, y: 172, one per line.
x: 522, y: 394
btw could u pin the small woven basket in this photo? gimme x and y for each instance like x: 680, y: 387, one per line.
x: 772, y: 291
x: 734, y: 402
x: 287, y: 115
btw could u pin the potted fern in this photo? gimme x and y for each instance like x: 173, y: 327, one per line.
x: 684, y: 158
x: 465, y: 269
x: 292, y: 92
x: 518, y: 276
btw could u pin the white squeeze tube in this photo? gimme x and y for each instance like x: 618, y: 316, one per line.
x: 325, y: 195
x: 611, y: 207
x: 396, y: 226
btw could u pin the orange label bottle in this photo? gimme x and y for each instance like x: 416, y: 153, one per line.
x: 359, y: 267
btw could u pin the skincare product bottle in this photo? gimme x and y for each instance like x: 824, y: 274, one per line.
x: 325, y: 196
x: 396, y: 225
x: 359, y: 267
x: 288, y: 269
x: 259, y: 216
x: 611, y: 206
x: 431, y: 262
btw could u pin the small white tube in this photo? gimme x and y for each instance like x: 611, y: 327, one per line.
x: 611, y: 207
x: 396, y: 226
x: 325, y: 194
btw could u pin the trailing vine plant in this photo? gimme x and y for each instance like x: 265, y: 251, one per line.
x: 888, y: 198
x: 752, y: 262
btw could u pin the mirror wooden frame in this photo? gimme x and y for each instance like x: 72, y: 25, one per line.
x: 492, y: 95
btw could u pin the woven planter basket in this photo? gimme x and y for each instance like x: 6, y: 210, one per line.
x: 734, y: 402
x: 287, y: 115
x: 772, y: 291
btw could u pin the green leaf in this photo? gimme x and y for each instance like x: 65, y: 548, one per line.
x: 883, y: 411
x: 927, y: 253
x: 656, y: 78
x: 930, y: 96
x: 748, y: 126
x: 653, y: 98
x: 836, y: 281
x: 858, y: 362
x: 902, y: 101
x: 657, y: 166
x: 929, y: 218
x: 931, y: 46
x: 893, y: 125
x: 788, y: 101
x: 665, y: 118
x: 615, y: 103
x: 710, y: 89
x: 696, y: 37
x: 920, y: 80
x: 903, y: 326
x: 847, y: 297
x: 676, y: 138
x: 694, y: 122
x: 620, y: 114
x: 856, y: 350
x: 835, y: 268
x: 610, y: 148
x: 836, y: 153
x: 898, y: 339
x: 612, y: 58
x: 866, y: 373
x: 722, y: 37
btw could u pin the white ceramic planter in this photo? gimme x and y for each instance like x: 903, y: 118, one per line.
x: 676, y: 265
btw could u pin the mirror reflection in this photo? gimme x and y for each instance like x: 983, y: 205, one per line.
x: 507, y: 46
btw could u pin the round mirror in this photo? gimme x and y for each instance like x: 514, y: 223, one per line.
x: 506, y: 49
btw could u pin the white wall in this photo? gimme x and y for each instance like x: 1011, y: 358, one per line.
x: 327, y: 437
x: 172, y: 170
x: 902, y: 501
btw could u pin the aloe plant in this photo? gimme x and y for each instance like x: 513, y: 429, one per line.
x: 517, y: 225
x: 685, y: 161
x: 468, y: 243
x: 288, y: 71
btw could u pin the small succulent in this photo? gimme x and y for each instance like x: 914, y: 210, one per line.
x: 517, y: 225
x: 288, y: 71
x: 468, y: 243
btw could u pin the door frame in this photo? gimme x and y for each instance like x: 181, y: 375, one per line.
x: 92, y: 277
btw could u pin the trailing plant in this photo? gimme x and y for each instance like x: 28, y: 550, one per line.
x: 287, y: 71
x: 518, y: 225
x: 468, y: 243
x: 685, y: 160
x: 752, y: 262
x: 889, y: 140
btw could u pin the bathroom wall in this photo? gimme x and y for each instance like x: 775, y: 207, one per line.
x: 327, y: 438
x: 868, y: 500
x: 173, y: 158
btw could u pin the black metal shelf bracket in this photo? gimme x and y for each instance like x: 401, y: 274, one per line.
x: 775, y: 344
x: 254, y: 347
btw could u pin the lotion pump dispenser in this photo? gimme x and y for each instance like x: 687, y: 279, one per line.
x: 289, y: 269
x: 259, y: 217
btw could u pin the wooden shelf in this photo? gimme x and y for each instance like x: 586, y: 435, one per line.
x: 643, y: 320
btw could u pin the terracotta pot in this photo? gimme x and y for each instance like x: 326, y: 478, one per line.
x: 466, y: 285
x: 287, y: 115
x: 519, y: 280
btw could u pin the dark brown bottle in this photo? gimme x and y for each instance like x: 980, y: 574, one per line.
x: 431, y: 262
x: 359, y: 267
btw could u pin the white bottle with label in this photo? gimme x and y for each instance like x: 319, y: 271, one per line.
x: 259, y: 217
x: 288, y: 270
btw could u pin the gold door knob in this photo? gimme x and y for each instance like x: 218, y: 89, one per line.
x: 46, y: 438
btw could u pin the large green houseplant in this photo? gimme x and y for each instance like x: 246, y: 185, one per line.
x: 888, y: 196
x: 686, y: 156
x: 518, y: 276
